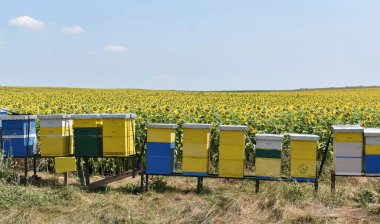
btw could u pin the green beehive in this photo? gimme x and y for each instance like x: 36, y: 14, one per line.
x: 88, y: 138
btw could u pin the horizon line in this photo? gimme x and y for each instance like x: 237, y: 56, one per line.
x: 280, y: 90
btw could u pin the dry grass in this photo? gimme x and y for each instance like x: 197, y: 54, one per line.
x: 174, y: 200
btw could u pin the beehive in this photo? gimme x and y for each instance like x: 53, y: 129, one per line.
x: 372, y: 151
x: 18, y: 135
x: 196, y: 149
x: 65, y: 164
x: 118, y: 134
x: 88, y: 140
x: 348, y: 149
x: 160, y: 148
x: 303, y: 155
x: 3, y: 112
x: 56, y: 135
x: 268, y: 155
x: 232, y: 150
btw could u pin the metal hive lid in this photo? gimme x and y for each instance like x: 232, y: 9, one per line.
x: 53, y: 116
x: 372, y: 132
x: 304, y: 137
x: 233, y: 128
x: 158, y: 125
x: 84, y: 116
x: 18, y: 117
x: 271, y: 137
x: 118, y: 116
x: 347, y: 129
x: 197, y: 126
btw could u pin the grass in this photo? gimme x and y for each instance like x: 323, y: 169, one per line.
x: 174, y: 200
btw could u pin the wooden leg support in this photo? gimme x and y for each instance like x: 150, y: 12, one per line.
x: 146, y: 182
x: 80, y: 172
x: 142, y: 183
x: 332, y: 181
x: 257, y: 186
x: 34, y: 166
x: 87, y: 171
x: 26, y: 170
x: 200, y: 184
x: 316, y: 185
x: 65, y: 177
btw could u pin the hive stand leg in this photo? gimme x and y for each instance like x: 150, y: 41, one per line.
x: 146, y: 182
x: 65, y: 177
x: 142, y: 182
x: 200, y: 184
x: 257, y: 186
x: 26, y: 170
x: 87, y: 171
x: 134, y: 166
x: 34, y: 166
x: 332, y: 181
x: 80, y: 172
x: 316, y: 185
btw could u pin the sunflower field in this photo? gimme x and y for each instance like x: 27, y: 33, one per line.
x: 301, y: 111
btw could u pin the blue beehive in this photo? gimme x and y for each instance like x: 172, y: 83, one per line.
x: 3, y: 112
x: 18, y: 135
x: 372, y: 151
x: 160, y: 148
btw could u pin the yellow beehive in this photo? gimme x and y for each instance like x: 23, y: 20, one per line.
x: 303, y: 155
x: 196, y: 149
x: 232, y: 150
x: 65, y: 164
x: 268, y: 155
x: 56, y: 135
x: 118, y: 134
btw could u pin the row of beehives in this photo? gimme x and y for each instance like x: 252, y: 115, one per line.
x: 196, y: 151
x: 356, y: 150
x: 81, y: 135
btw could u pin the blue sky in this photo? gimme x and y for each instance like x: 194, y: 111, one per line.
x: 190, y: 45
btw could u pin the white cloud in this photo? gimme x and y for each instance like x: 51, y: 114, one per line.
x: 27, y: 22
x: 73, y: 30
x: 2, y: 44
x: 114, y: 48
